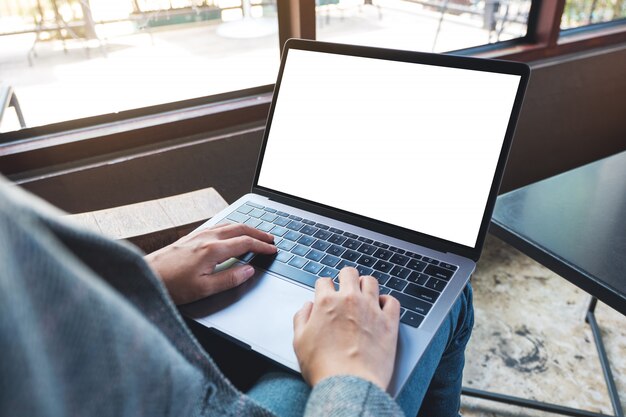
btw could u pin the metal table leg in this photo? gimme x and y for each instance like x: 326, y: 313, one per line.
x: 558, y: 409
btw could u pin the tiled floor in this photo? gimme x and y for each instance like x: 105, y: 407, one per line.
x: 530, y: 338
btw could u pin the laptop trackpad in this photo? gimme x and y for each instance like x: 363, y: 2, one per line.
x: 258, y: 313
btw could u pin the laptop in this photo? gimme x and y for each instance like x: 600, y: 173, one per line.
x: 388, y: 161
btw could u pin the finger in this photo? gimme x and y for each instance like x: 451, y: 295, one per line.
x: 224, y: 249
x: 234, y: 230
x: 349, y: 279
x: 390, y: 306
x: 323, y: 286
x: 228, y: 279
x: 369, y: 286
x: 302, y: 317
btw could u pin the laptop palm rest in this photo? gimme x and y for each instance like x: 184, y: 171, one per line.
x: 245, y: 315
x: 258, y: 313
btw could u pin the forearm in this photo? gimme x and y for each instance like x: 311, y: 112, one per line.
x: 348, y: 395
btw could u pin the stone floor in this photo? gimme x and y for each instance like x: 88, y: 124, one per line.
x: 530, y: 338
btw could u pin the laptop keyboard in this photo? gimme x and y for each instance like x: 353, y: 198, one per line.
x: 308, y: 250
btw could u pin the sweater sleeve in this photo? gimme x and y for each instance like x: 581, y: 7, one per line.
x: 350, y: 396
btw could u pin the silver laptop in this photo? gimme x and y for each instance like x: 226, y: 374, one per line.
x: 387, y: 161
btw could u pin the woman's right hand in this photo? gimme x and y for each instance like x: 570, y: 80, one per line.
x: 353, y: 331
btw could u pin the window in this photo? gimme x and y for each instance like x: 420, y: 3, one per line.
x: 579, y: 13
x: 431, y: 25
x: 71, y: 59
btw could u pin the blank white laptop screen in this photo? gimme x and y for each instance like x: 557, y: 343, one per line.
x: 409, y: 144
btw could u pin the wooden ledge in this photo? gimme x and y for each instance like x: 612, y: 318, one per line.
x: 156, y: 223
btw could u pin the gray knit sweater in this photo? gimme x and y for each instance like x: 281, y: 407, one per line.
x: 87, y: 329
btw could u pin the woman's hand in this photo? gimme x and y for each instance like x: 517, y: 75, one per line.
x: 352, y: 331
x: 187, y: 266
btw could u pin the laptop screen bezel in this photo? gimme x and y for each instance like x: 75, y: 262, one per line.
x: 503, y: 67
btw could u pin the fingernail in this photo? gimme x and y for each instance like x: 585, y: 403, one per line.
x: 247, y: 271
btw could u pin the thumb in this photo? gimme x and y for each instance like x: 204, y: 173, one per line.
x: 229, y: 278
x: 302, y: 317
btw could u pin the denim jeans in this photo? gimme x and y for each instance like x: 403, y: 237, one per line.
x: 434, y: 388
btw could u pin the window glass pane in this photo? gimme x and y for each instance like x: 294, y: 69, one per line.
x: 429, y: 25
x: 579, y: 13
x: 69, y: 59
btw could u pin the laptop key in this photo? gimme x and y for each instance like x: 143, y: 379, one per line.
x: 313, y: 267
x: 421, y: 292
x: 412, y: 303
x: 286, y: 245
x: 272, y: 265
x: 247, y: 256
x: 282, y: 221
x: 328, y: 272
x: 315, y: 255
x: 293, y: 217
x: 335, y: 230
x: 237, y: 217
x: 412, y: 319
x: 383, y: 290
x: 245, y: 209
x: 306, y: 240
x: 381, y: 245
x: 383, y: 254
x: 400, y: 272
x: 365, y: 240
x: 308, y: 230
x: 336, y: 239
x: 278, y: 231
x: 396, y: 250
x: 448, y: 266
x: 250, y: 203
x: 283, y: 256
x: 436, y: 284
x: 381, y: 277
x: 367, y: 249
x: 282, y: 213
x: 438, y: 272
x: 269, y: 217
x: 399, y: 259
x: 265, y: 226
x: 298, y: 262
x: 252, y: 222
x: 300, y: 250
x: 322, y: 234
x: 291, y: 235
x: 330, y: 260
x: 309, y: 222
x: 383, y: 266
x: 363, y: 270
x: 416, y: 265
x: 396, y: 283
x: 351, y: 255
x: 430, y: 260
x: 335, y: 250
x: 320, y: 245
x: 350, y: 235
x: 366, y: 260
x: 351, y: 244
x: 345, y: 263
x: 295, y: 225
x: 413, y: 255
x: 256, y: 213
x: 418, y: 277
x: 270, y: 210
x: 321, y: 226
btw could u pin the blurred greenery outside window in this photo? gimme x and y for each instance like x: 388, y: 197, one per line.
x: 579, y: 13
